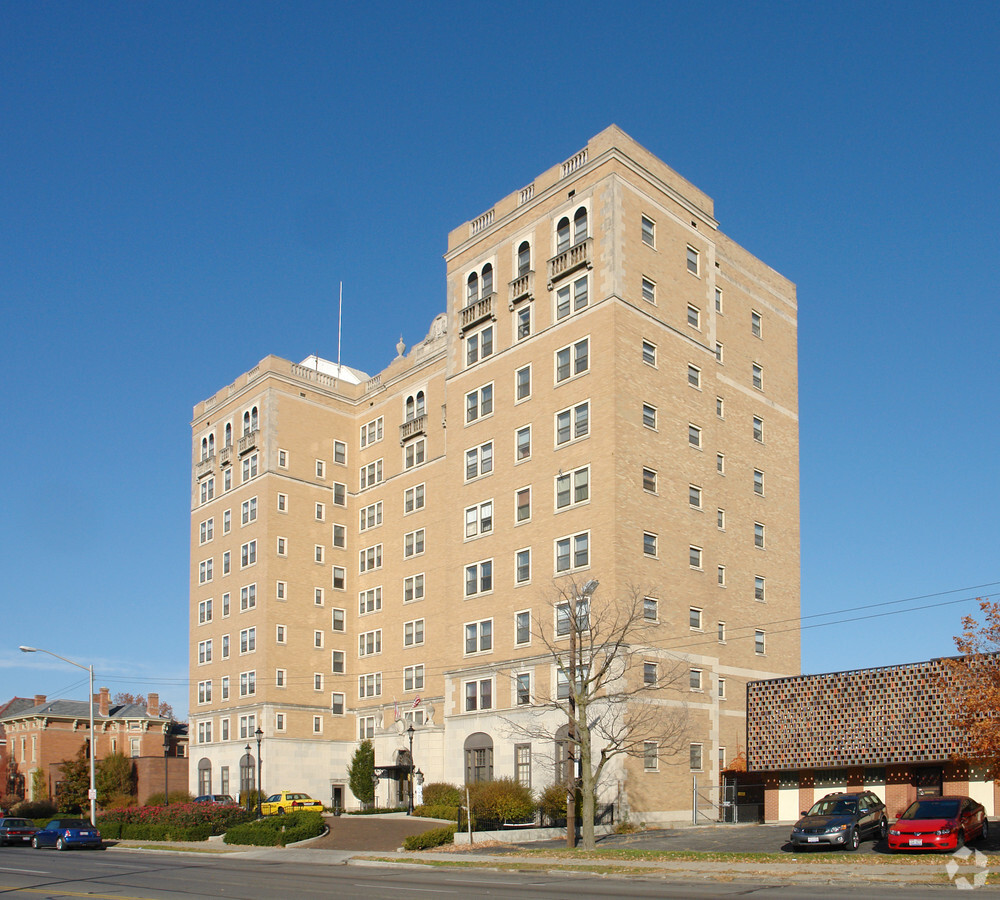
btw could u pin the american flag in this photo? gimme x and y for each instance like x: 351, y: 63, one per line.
x: 416, y: 703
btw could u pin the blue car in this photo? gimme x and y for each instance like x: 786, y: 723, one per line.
x: 65, y: 834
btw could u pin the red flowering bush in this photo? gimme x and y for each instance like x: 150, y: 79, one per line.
x: 179, y: 815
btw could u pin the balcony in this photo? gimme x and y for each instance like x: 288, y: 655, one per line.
x: 521, y: 288
x: 204, y: 466
x: 477, y: 311
x: 579, y: 256
x: 248, y: 442
x: 226, y: 455
x: 412, y: 427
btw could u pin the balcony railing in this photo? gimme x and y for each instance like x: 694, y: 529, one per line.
x: 578, y: 256
x: 413, y: 427
x: 478, y: 310
x: 226, y: 455
x: 248, y: 442
x: 204, y: 466
x: 521, y: 288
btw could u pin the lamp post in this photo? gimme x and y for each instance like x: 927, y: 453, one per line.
x: 258, y: 734
x: 571, y: 755
x: 166, y: 751
x: 247, y: 775
x: 92, y: 793
x: 409, y: 732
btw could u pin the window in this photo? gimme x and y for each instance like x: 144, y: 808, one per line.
x: 339, y: 494
x: 371, y: 432
x: 248, y: 684
x: 205, y: 571
x: 479, y: 345
x: 226, y: 562
x: 415, y: 406
x: 340, y: 536
x: 317, y: 681
x: 720, y: 463
x: 721, y: 694
x: 720, y: 407
x: 413, y: 542
x: 247, y: 726
x: 371, y: 474
x: 479, y: 694
x: 694, y: 496
x: 204, y: 737
x: 522, y: 566
x: 337, y: 707
x: 573, y: 423
x: 572, y: 360
x: 318, y: 553
x: 694, y: 436
x: 225, y: 687
x: 650, y: 609
x: 694, y: 757
x: 562, y: 682
x: 413, y: 633
x: 225, y: 605
x: 649, y: 673
x: 694, y: 679
x: 573, y: 488
x: 370, y: 642
x: 479, y: 461
x: 522, y: 689
x: 694, y: 557
x: 649, y: 543
x: 366, y: 727
x: 279, y: 722
x: 722, y: 632
x: 719, y: 351
x: 338, y: 620
x: 204, y: 691
x: 318, y: 596
x: 650, y: 756
x: 522, y: 628
x: 340, y: 453
x: 320, y: 468
x: 478, y: 519
x: 280, y: 633
x: 227, y: 521
x: 522, y: 505
x: 758, y: 535
x: 479, y: 403
x: 207, y: 490
x: 571, y: 298
x: 758, y: 429
x: 227, y: 480
x: 479, y: 636
x: 522, y: 444
x: 282, y: 502
x: 320, y: 512
x: 718, y: 300
x: 479, y: 578
x: 757, y: 376
x: 250, y: 421
x: 649, y: 416
x: 413, y: 588
x: 755, y: 323
x: 248, y: 640
x: 523, y: 323
x: 758, y: 482
x: 694, y: 376
x: 720, y: 577
x: 250, y: 467
x: 758, y: 588
x: 720, y: 519
x: 206, y: 531
x: 692, y: 260
x: 648, y: 290
x: 282, y: 458
x: 204, y: 612
x: 694, y: 618
x: 522, y: 384
x: 415, y: 453
x: 694, y: 316
x: 413, y: 499
x: 339, y: 578
x: 758, y: 642
x: 370, y: 558
x: 248, y: 597
x: 573, y: 552
x: 369, y: 601
x: 413, y: 678
x: 649, y: 480
x: 648, y: 232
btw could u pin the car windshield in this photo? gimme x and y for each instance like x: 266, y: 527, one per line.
x: 15, y: 823
x: 931, y: 809
x: 835, y: 806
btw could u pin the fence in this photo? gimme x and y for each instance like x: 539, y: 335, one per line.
x: 729, y: 802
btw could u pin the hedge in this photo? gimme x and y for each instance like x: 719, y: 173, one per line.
x: 440, y: 811
x: 149, y: 832
x: 427, y: 840
x: 276, y: 831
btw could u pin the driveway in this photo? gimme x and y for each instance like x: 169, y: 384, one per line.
x: 373, y: 833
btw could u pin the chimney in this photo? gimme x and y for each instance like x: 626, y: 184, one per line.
x: 153, y: 705
x: 39, y: 699
x: 104, y: 701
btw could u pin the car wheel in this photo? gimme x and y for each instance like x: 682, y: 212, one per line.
x: 853, y: 840
x: 281, y: 810
x: 883, y: 830
x: 61, y: 844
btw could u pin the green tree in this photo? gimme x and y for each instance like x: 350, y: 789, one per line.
x: 72, y: 792
x: 115, y: 776
x: 39, y: 785
x: 360, y: 772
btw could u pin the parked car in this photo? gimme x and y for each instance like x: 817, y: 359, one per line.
x: 65, y: 834
x: 287, y: 801
x: 939, y: 823
x: 16, y: 831
x: 841, y: 820
x: 221, y: 799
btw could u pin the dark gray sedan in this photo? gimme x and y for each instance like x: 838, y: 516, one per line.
x: 16, y: 831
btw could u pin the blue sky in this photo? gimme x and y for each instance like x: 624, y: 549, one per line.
x: 184, y: 185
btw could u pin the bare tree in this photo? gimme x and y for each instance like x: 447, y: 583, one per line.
x: 611, y: 694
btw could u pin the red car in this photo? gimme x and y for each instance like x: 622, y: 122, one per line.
x: 939, y: 823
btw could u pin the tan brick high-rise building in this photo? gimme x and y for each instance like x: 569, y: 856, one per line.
x: 611, y: 394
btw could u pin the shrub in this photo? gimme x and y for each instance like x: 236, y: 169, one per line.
x: 34, y: 809
x: 429, y: 839
x: 505, y: 800
x: 439, y: 793
x: 118, y: 801
x: 437, y: 812
x: 626, y: 827
x: 552, y: 803
x: 149, y: 832
x: 178, y: 815
x: 276, y: 831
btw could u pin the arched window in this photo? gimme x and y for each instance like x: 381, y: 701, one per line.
x: 409, y: 408
x: 563, y: 754
x: 472, y: 290
x: 211, y: 444
x: 487, y: 280
x: 204, y: 776
x: 562, y: 235
x: 580, y: 225
x: 229, y: 434
x: 478, y: 758
x: 246, y: 423
x: 253, y: 418
x: 420, y: 403
x: 523, y: 259
x: 204, y: 449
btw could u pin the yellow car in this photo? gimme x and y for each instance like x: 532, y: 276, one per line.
x: 288, y: 801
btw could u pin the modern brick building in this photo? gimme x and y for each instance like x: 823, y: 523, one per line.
x: 610, y: 393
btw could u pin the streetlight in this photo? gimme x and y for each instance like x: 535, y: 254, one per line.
x: 247, y: 775
x: 92, y: 793
x: 166, y: 750
x: 258, y: 734
x: 409, y: 732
